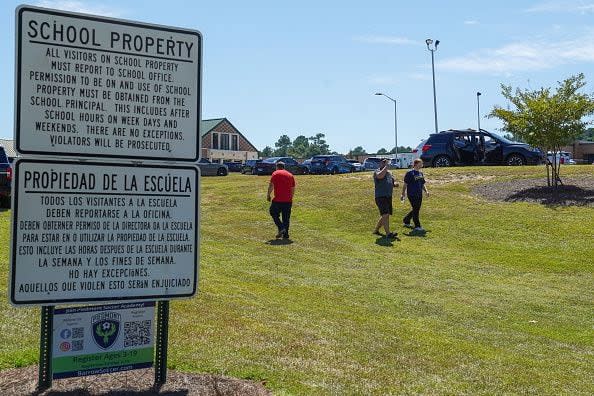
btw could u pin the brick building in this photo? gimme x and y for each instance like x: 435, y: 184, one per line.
x: 221, y: 141
x: 581, y: 151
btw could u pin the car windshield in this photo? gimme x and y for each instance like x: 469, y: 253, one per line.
x: 501, y: 138
x: 271, y: 160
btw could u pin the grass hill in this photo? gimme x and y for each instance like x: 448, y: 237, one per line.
x: 495, y: 298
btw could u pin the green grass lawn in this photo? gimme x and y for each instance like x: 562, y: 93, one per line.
x: 497, y: 298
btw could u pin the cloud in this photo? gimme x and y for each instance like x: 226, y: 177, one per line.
x: 79, y: 6
x: 524, y: 56
x: 579, y: 6
x: 471, y: 22
x: 385, y: 40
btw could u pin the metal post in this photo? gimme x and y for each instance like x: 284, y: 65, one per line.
x: 161, y: 340
x: 478, y: 110
x: 44, y: 380
x: 434, y: 95
x: 395, y: 132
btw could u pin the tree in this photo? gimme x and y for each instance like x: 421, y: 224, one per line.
x: 382, y: 151
x: 588, y: 135
x: 402, y: 149
x: 300, y: 147
x: 547, y: 119
x: 356, y: 151
x: 282, y: 146
x: 267, y: 152
x: 318, y: 145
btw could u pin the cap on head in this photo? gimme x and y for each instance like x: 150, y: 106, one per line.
x: 280, y: 165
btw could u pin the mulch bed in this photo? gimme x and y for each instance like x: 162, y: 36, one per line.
x: 575, y: 191
x: 23, y: 381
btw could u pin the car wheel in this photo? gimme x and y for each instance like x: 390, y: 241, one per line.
x: 222, y: 172
x: 334, y: 170
x: 516, y: 160
x: 305, y: 171
x: 442, y: 161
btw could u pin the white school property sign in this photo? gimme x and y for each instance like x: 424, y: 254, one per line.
x: 89, y: 231
x: 102, y: 87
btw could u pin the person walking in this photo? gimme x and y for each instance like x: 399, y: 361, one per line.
x: 384, y: 186
x: 414, y: 185
x: 283, y: 185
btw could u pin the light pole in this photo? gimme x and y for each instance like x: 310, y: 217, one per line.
x: 395, y: 124
x: 478, y: 110
x: 432, y: 50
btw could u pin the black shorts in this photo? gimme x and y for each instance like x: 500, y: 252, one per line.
x: 384, y: 204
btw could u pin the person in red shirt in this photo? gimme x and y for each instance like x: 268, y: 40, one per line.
x: 283, y: 185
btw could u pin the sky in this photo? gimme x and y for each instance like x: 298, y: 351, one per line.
x: 308, y: 67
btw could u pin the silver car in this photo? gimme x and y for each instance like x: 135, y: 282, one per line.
x: 208, y: 168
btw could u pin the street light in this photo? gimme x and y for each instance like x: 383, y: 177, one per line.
x: 432, y: 50
x: 395, y: 124
x: 478, y: 110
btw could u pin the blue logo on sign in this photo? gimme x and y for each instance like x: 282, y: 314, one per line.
x: 65, y: 334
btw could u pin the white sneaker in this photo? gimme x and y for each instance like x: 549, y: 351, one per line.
x: 419, y: 229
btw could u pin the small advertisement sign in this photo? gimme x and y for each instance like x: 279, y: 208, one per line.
x: 102, y: 339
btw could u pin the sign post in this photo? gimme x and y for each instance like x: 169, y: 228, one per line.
x: 45, y: 348
x: 90, y: 88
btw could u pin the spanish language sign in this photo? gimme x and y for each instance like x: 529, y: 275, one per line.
x: 97, y: 232
x: 106, y: 88
x: 102, y: 339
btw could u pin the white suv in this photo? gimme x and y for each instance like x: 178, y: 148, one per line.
x: 563, y: 158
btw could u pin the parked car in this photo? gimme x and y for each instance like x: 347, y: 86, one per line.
x: 267, y: 166
x: 307, y: 163
x: 208, y: 168
x: 249, y: 167
x: 563, y: 157
x: 330, y: 164
x: 5, y: 179
x: 419, y: 149
x: 471, y: 147
x: 371, y: 163
x: 233, y: 166
x: 358, y: 166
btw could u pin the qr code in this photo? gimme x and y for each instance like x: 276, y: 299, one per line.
x: 78, y: 332
x: 77, y: 345
x: 137, y: 333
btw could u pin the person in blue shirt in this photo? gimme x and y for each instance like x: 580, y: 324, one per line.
x: 384, y: 185
x: 414, y: 185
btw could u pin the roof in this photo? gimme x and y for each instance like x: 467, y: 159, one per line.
x: 207, y: 125
x: 8, y: 145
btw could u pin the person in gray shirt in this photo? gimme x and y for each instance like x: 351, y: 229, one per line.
x: 384, y: 186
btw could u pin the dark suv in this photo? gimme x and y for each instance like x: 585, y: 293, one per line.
x: 250, y: 167
x: 330, y: 164
x: 5, y: 179
x: 267, y: 166
x: 471, y: 147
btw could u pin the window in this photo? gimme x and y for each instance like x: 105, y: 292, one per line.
x: 234, y: 142
x: 225, y: 141
x: 489, y: 141
x: 215, y: 140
